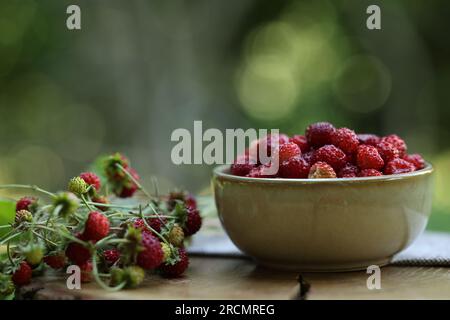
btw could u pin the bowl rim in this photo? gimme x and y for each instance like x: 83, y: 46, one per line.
x: 221, y: 171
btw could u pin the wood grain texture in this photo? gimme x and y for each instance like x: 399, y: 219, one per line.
x: 396, y: 283
x: 206, y: 278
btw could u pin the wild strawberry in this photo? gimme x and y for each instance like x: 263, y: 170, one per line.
x: 101, y: 200
x: 296, y: 167
x: 345, y: 139
x: 370, y: 139
x: 176, y: 236
x: 91, y: 179
x: 367, y: 157
x: 261, y: 171
x: 67, y: 202
x: 56, y: 261
x: 78, y: 253
x: 23, y: 216
x: 33, y: 252
x: 387, y: 151
x: 129, y: 187
x: 287, y: 151
x: 319, y: 134
x: 398, y: 166
x: 167, y: 251
x: 397, y: 142
x: 242, y: 166
x: 301, y: 141
x: 132, y: 276
x: 309, y: 157
x: 112, y: 171
x: 22, y: 275
x: 96, y: 227
x: 86, y: 272
x: 77, y: 186
x: 155, y: 223
x: 27, y: 203
x: 193, y: 222
x: 270, y: 141
x: 348, y: 171
x: 178, y: 268
x: 332, y: 155
x: 369, y: 173
x: 416, y: 159
x: 321, y: 170
x: 152, y: 255
x: 111, y: 256
x: 190, y: 202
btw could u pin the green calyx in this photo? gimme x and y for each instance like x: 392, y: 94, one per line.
x: 78, y: 186
x: 67, y: 202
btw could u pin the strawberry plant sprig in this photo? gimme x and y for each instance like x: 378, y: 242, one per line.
x: 113, y: 243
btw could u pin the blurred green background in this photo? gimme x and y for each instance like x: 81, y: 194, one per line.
x: 140, y: 69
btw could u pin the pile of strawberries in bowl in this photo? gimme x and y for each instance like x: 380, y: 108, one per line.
x: 328, y: 152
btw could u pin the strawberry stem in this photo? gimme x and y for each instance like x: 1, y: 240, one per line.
x: 135, y: 181
x: 25, y: 186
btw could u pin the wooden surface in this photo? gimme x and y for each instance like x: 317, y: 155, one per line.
x: 227, y: 278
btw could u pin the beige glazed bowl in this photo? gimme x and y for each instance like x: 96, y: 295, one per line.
x: 323, y: 224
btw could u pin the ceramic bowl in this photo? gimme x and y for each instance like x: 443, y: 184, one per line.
x: 323, y: 224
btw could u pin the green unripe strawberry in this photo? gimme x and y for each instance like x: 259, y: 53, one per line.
x: 78, y: 186
x: 68, y: 203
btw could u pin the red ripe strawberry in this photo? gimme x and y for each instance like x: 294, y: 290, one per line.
x: 26, y: 203
x: 348, y: 171
x: 178, y: 268
x: 190, y: 202
x: 332, y: 155
x: 319, y: 134
x: 309, y: 157
x: 139, y: 224
x: 287, y: 151
x: 86, y: 272
x: 369, y: 173
x: 397, y: 142
x: 77, y: 253
x: 296, y: 167
x: 345, y: 139
x: 301, y: 141
x: 130, y: 187
x: 270, y: 140
x: 91, y: 179
x: 193, y: 222
x: 416, y: 159
x: 367, y: 157
x: 96, y: 227
x: 22, y: 275
x: 56, y: 261
x: 261, y: 171
x: 321, y: 170
x: 152, y: 256
x: 387, y: 151
x: 242, y: 166
x: 111, y: 256
x: 159, y: 222
x: 102, y: 200
x: 398, y: 166
x: 370, y: 139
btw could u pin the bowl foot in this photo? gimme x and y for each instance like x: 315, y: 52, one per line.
x: 325, y: 267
